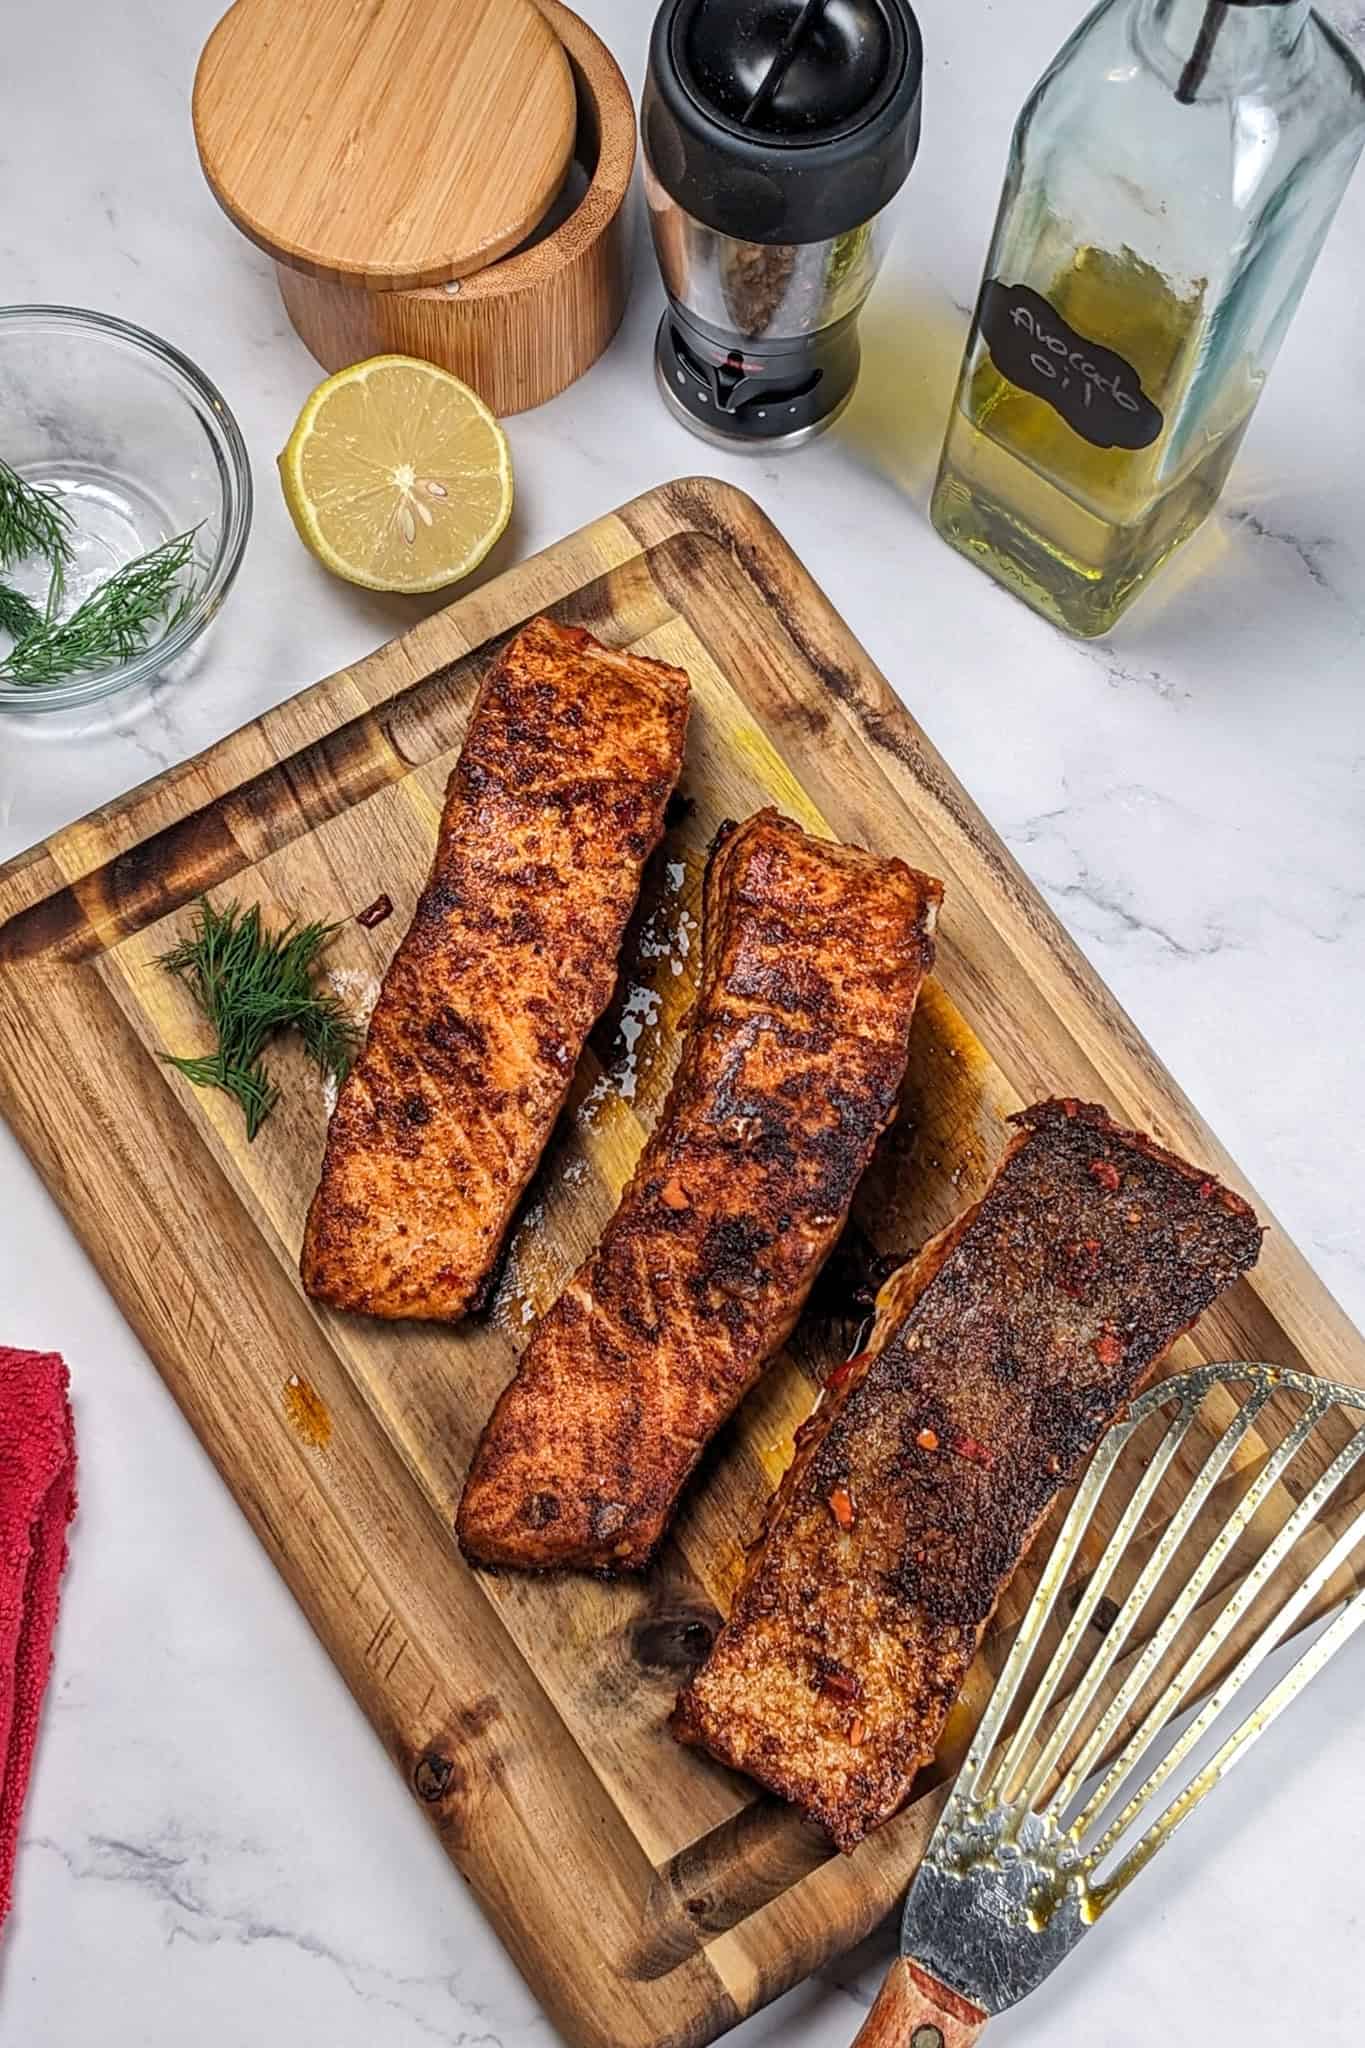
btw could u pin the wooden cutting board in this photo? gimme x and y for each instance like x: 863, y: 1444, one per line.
x: 649, y: 1896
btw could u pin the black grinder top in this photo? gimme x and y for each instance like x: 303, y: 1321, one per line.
x: 783, y: 121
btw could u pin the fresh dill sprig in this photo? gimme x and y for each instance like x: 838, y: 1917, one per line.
x: 252, y: 984
x: 32, y: 522
x: 114, y: 622
x: 19, y: 615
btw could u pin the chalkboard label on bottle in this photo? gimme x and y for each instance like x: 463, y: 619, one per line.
x: 1097, y: 392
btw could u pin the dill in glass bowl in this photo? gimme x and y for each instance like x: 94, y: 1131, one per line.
x: 125, y: 502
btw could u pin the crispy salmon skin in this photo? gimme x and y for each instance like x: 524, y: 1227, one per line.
x: 555, y: 804
x: 814, y: 955
x: 998, y: 1357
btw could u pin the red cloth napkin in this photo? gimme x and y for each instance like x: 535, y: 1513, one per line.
x: 37, y: 1500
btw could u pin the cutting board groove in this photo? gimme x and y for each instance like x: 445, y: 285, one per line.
x: 527, y: 1715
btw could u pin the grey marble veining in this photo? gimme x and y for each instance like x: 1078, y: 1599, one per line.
x: 217, y: 1851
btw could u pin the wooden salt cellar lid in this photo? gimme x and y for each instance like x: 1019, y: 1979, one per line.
x: 389, y: 144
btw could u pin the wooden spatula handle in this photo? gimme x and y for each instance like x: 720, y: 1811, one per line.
x: 914, y: 2011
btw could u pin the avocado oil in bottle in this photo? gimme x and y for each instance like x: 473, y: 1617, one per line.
x: 1170, y: 183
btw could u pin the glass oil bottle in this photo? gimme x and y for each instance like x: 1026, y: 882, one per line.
x: 1170, y: 183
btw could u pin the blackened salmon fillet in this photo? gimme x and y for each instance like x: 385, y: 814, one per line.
x: 997, y: 1359
x: 813, y: 957
x: 556, y: 802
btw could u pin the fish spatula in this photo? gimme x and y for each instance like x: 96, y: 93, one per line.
x: 1142, y: 1636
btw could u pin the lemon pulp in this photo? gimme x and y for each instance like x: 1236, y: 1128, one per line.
x: 397, y: 476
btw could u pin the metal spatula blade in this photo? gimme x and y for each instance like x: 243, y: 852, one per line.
x: 1142, y: 1638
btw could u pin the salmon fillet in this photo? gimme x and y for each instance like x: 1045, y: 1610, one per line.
x: 998, y: 1358
x: 553, y: 808
x: 814, y: 955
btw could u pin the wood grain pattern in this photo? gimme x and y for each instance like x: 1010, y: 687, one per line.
x: 524, y: 328
x: 388, y: 146
x: 650, y: 1896
x: 912, y: 2011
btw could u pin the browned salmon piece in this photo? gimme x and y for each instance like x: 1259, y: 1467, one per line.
x: 998, y: 1357
x: 553, y: 808
x: 814, y: 955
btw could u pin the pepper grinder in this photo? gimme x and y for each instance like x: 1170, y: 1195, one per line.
x: 776, y: 134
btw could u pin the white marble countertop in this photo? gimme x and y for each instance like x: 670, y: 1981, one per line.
x: 216, y: 1848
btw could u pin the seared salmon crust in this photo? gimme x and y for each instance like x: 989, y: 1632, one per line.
x: 998, y: 1357
x: 814, y: 955
x: 555, y: 804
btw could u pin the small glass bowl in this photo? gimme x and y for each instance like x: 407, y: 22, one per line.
x: 141, y: 447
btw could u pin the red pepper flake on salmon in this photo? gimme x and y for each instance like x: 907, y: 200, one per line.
x: 840, y: 1503
x: 570, y: 755
x: 838, y: 1684
x: 814, y: 955
x: 375, y: 913
x: 979, y: 1332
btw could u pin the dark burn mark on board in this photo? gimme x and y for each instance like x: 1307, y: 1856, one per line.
x: 674, y: 1642
x: 475, y: 1719
x: 149, y: 881
x: 57, y: 926
x: 433, y: 1776
x: 442, y: 1777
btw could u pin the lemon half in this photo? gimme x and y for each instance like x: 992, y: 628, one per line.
x: 397, y: 475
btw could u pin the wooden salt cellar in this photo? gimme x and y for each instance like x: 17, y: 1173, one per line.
x: 437, y: 178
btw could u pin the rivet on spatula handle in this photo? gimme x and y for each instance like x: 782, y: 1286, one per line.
x: 913, y: 2011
